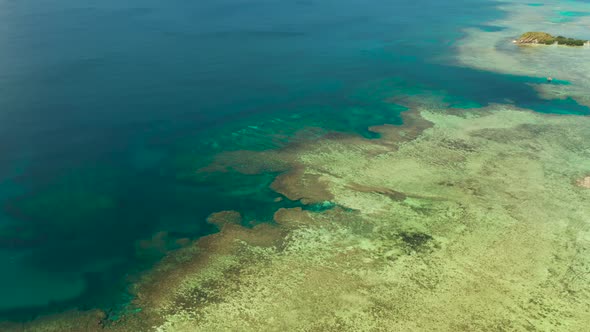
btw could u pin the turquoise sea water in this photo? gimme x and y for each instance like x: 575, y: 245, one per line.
x: 567, y: 16
x: 108, y: 110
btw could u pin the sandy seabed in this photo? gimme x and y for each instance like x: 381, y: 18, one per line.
x: 584, y: 182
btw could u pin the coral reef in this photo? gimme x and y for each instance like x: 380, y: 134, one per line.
x: 471, y: 219
x: 486, y: 226
x: 476, y: 213
x: 458, y: 220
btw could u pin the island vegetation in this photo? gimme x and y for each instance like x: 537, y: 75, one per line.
x: 547, y: 39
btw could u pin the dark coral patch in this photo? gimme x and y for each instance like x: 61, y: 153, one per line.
x: 416, y: 241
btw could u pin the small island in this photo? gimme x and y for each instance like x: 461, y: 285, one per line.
x: 547, y: 39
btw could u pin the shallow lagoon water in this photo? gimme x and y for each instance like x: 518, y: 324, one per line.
x: 108, y: 110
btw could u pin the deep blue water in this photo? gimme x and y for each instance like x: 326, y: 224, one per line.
x: 107, y: 109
